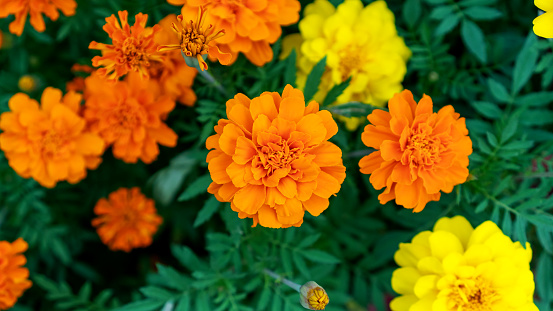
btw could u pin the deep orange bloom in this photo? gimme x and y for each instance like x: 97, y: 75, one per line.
x: 271, y: 158
x: 126, y: 220
x: 174, y: 76
x: 250, y: 26
x: 132, y: 48
x: 127, y: 115
x: 13, y: 277
x: 196, y: 41
x: 419, y: 153
x: 49, y: 142
x: 20, y: 8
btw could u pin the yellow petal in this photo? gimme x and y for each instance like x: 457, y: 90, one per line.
x: 404, y: 279
x: 443, y: 243
x: 457, y: 225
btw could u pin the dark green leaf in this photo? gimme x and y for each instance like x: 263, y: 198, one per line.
x: 474, y: 40
x: 196, y: 188
x: 525, y: 64
x: 499, y: 91
x: 320, y: 256
x: 210, y: 207
x: 447, y: 25
x: 411, y: 12
x: 487, y: 109
x: 290, y: 73
x: 335, y: 91
x: 482, y: 13
x: 314, y: 79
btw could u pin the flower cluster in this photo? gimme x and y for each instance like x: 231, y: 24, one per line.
x: 271, y: 158
x: 13, y: 277
x: 35, y: 8
x: 49, y: 142
x: 250, y: 26
x: 419, y: 152
x: 455, y: 267
x: 358, y: 42
x: 126, y: 220
x: 543, y: 24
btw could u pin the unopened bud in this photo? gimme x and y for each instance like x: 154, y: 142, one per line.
x: 27, y: 83
x: 313, y: 297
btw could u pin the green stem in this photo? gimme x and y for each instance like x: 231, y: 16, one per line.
x: 278, y: 277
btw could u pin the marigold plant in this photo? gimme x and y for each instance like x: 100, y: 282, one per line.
x: 132, y: 48
x: 543, y: 24
x: 271, y: 158
x: 128, y: 116
x: 49, y: 142
x: 126, y: 220
x: 358, y: 42
x: 455, y: 267
x: 419, y: 152
x: 35, y: 8
x: 13, y: 277
x: 250, y: 26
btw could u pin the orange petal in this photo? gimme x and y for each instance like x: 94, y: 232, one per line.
x: 370, y: 163
x: 245, y: 150
x: 250, y: 198
x: 218, y: 168
x: 241, y: 116
x: 327, y: 185
x: 224, y: 58
x: 391, y: 150
x: 290, y: 212
x: 291, y: 109
x: 316, y: 205
x: 228, y: 138
x: 265, y: 105
x: 287, y: 186
x: 327, y: 154
x: 268, y: 217
x: 312, y: 125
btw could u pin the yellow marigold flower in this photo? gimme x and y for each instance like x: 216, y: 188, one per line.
x: 313, y: 297
x: 272, y: 159
x: 126, y: 220
x: 132, y: 48
x: 49, y: 142
x: 360, y: 42
x: 20, y: 8
x: 13, y: 277
x: 27, y: 83
x: 197, y: 42
x: 543, y: 24
x: 127, y: 115
x: 250, y: 26
x: 455, y: 267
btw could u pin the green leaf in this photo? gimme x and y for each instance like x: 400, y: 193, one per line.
x: 353, y: 109
x: 474, y: 40
x: 309, y: 240
x: 481, y: 206
x: 210, y: 207
x: 520, y: 229
x: 487, y: 109
x: 335, y: 91
x: 143, y: 305
x: 290, y: 73
x: 441, y: 12
x: 264, y: 298
x: 535, y: 99
x: 156, y: 293
x: 183, y: 303
x: 187, y: 257
x: 499, y: 91
x: 510, y: 129
x: 468, y: 3
x: 507, y: 224
x: 436, y: 1
x: 482, y: 13
x: 544, y: 282
x: 320, y: 256
x: 300, y: 264
x: 544, y: 236
x: 196, y: 188
x: 525, y: 64
x: 491, y: 139
x: 447, y: 25
x: 314, y: 79
x: 411, y: 12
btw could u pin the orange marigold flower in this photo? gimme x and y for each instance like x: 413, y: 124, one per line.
x: 250, y: 26
x: 132, y: 48
x: 20, y: 8
x: 195, y: 41
x: 127, y: 115
x: 49, y: 142
x: 174, y: 76
x: 13, y: 277
x: 419, y: 153
x: 272, y: 160
x: 126, y: 220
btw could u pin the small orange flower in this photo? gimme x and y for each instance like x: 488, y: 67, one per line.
x: 272, y: 160
x: 20, y: 8
x: 419, y: 153
x: 49, y: 142
x: 77, y: 84
x: 132, y: 48
x: 127, y: 115
x: 126, y: 220
x: 250, y: 26
x: 13, y: 277
x: 195, y: 41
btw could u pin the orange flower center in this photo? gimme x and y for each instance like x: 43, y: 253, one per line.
x: 129, y: 116
x: 133, y: 55
x: 53, y: 144
x: 421, y: 148
x: 472, y: 295
x: 194, y: 39
x: 318, y: 299
x: 275, y: 156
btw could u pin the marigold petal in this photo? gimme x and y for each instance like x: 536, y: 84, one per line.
x: 291, y: 109
x: 268, y: 217
x: 327, y: 154
x: 315, y: 205
x: 236, y: 173
x: 287, y: 186
x: 265, y: 105
x: 327, y: 185
x: 218, y: 168
x: 368, y: 164
x: 241, y: 116
x: 290, y: 212
x: 250, y: 198
x: 229, y: 137
x: 90, y: 144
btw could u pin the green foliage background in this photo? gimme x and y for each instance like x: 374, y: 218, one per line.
x: 481, y: 56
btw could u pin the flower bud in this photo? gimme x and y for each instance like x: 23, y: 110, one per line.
x: 313, y: 297
x: 27, y: 83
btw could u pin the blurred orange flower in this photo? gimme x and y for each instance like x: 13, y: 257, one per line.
x: 126, y: 220
x: 132, y: 48
x: 419, y: 153
x: 271, y: 158
x: 250, y: 26
x: 20, y: 8
x: 173, y: 75
x: 49, y: 142
x: 13, y: 277
x: 127, y: 115
x: 195, y: 41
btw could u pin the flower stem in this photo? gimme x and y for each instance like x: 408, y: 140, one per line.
x: 215, y: 83
x: 278, y: 277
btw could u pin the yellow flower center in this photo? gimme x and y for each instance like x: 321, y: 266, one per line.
x: 317, y: 298
x: 351, y: 61
x: 194, y: 38
x: 474, y: 294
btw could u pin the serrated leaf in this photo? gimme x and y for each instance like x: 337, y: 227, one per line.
x: 309, y: 240
x: 320, y: 256
x: 491, y: 139
x: 487, y: 109
x: 535, y: 99
x: 447, y: 25
x: 520, y: 229
x: 474, y: 40
x: 143, y: 305
x: 335, y: 92
x: 210, y: 207
x: 544, y: 282
x: 290, y: 73
x: 509, y: 130
x: 499, y: 91
x: 314, y: 79
x: 441, y: 12
x: 264, y: 298
x: 481, y: 206
x: 183, y: 304
x: 196, y: 188
x: 507, y: 224
x: 525, y: 64
x: 482, y: 13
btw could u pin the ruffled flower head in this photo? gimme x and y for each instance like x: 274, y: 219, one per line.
x: 543, y: 24
x: 419, y: 152
x: 455, y: 267
x: 272, y: 160
x: 20, y: 8
x: 126, y: 220
x: 49, y: 142
x: 127, y: 115
x: 250, y: 26
x: 197, y: 42
x: 13, y: 277
x: 132, y: 48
